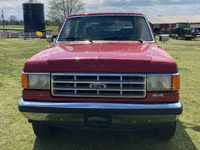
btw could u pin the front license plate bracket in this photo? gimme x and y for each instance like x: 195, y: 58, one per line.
x: 97, y: 120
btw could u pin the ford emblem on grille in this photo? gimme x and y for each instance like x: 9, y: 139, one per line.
x: 98, y: 86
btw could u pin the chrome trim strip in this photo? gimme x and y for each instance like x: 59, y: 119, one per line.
x: 68, y: 105
x: 103, y: 74
x: 100, y: 96
x: 100, y: 41
x: 99, y: 89
x: 99, y: 82
x: 39, y: 73
x: 24, y: 72
x: 171, y: 74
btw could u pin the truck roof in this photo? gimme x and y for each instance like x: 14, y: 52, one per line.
x: 106, y: 13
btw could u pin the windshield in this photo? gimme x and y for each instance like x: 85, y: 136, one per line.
x: 129, y: 28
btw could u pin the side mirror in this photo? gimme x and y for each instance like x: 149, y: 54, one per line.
x: 164, y: 37
x: 49, y: 38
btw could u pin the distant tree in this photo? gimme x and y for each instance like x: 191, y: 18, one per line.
x: 21, y: 22
x: 59, y: 9
x: 6, y: 22
x: 13, y: 19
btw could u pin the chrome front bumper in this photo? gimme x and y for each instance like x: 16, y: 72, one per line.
x: 108, y: 115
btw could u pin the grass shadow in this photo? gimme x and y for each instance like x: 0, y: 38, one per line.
x: 90, y: 140
x: 193, y: 127
x: 196, y: 128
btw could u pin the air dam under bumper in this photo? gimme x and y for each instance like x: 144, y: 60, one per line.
x: 111, y: 116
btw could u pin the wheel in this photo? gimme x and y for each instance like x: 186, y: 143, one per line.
x: 164, y: 133
x: 42, y: 130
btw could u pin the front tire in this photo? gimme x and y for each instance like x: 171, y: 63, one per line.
x: 42, y: 130
x: 164, y: 133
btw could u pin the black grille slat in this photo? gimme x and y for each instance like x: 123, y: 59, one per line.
x: 82, y: 85
x: 133, y: 79
x: 110, y: 93
x: 86, y: 92
x: 132, y: 92
x: 133, y: 86
x: 86, y: 78
x: 113, y: 86
x: 63, y: 78
x: 63, y: 85
x: 98, y: 85
x: 109, y: 78
x: 61, y: 92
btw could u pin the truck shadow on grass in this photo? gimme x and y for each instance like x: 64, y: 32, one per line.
x: 97, y: 140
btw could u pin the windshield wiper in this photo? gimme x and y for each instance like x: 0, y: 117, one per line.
x: 140, y: 40
x: 73, y: 38
x: 116, y: 38
x: 122, y: 38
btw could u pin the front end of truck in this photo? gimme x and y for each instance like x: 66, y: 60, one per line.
x: 105, y: 82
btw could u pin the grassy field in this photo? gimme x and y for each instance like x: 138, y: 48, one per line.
x: 12, y: 26
x: 53, y: 28
x: 16, y: 132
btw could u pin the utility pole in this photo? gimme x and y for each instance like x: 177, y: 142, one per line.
x: 3, y: 18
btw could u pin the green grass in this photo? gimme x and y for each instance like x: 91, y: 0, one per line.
x: 53, y: 28
x: 16, y: 132
x: 12, y: 26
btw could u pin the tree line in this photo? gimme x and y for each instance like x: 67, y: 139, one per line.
x: 12, y: 21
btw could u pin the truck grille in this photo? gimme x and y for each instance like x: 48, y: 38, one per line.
x: 111, y: 85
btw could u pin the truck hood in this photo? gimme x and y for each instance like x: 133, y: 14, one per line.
x: 102, y: 57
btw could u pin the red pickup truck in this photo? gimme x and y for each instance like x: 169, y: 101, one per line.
x: 106, y: 72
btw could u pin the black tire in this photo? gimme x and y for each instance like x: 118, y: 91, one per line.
x: 42, y: 130
x: 164, y: 133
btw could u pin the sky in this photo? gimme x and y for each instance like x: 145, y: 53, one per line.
x: 150, y: 8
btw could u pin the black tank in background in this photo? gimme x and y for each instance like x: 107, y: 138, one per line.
x: 33, y: 17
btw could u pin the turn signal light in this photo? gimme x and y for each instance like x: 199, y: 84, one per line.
x: 176, y: 82
x: 24, y: 80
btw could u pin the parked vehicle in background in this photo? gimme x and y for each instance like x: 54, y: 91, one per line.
x: 105, y: 72
x: 182, y: 32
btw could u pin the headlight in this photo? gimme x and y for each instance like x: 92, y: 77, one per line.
x: 163, y: 82
x: 36, y: 80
